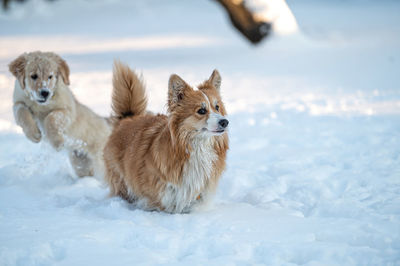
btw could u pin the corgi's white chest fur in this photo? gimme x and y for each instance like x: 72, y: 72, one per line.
x: 196, y: 172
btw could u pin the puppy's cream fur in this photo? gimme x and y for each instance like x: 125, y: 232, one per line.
x: 55, y: 114
x: 166, y: 162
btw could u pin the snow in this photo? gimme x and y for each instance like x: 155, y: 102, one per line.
x: 313, y: 174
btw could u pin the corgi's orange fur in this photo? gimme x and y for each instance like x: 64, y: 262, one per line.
x: 166, y: 162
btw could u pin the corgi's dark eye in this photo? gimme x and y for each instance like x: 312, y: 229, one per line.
x: 34, y: 76
x: 202, y: 111
x: 51, y: 76
x: 217, y: 107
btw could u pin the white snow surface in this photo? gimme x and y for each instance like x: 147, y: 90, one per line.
x: 313, y: 175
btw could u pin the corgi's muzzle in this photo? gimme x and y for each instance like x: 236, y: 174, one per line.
x: 216, y: 124
x: 223, y: 123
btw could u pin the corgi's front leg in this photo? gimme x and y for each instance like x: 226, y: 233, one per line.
x: 24, y: 118
x: 55, y: 125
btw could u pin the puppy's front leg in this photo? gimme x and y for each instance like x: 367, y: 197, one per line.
x: 23, y: 117
x: 55, y: 125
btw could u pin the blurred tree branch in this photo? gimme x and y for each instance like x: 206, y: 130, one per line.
x: 7, y: 2
x: 244, y: 20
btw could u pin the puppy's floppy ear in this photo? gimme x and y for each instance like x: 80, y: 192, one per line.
x: 215, y: 80
x: 63, y: 68
x: 176, y: 90
x: 17, y: 68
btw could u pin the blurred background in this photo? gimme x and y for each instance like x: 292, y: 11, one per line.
x: 318, y: 56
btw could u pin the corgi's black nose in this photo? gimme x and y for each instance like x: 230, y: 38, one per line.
x: 223, y: 123
x: 44, y: 93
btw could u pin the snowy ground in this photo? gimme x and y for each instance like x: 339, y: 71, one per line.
x: 313, y: 173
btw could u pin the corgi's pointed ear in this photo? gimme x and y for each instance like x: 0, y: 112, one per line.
x: 176, y: 90
x: 215, y: 80
x: 17, y: 68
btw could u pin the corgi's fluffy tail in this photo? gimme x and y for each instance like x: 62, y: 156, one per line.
x: 128, y: 96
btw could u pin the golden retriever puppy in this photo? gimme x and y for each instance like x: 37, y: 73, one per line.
x: 170, y: 162
x: 45, y: 107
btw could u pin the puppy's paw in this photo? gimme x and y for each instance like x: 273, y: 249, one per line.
x: 57, y: 142
x: 33, y: 134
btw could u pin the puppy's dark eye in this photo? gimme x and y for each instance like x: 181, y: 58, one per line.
x: 217, y: 107
x: 202, y: 111
x: 34, y: 76
x: 51, y: 76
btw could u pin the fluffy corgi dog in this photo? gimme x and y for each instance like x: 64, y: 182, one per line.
x: 45, y: 108
x: 168, y: 162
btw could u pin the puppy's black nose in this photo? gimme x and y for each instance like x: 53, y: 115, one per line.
x: 223, y: 123
x: 44, y: 94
